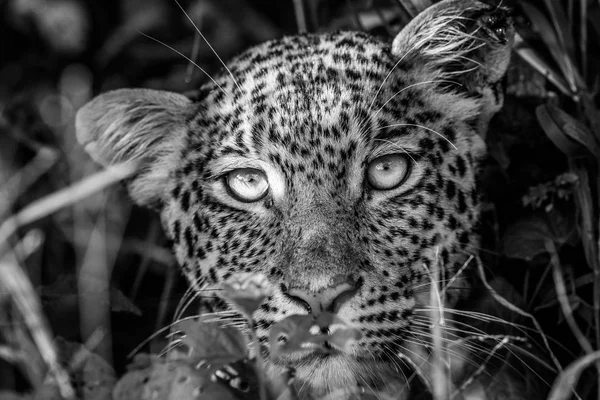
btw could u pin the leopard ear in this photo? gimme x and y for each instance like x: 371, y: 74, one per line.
x: 464, y: 41
x: 136, y: 125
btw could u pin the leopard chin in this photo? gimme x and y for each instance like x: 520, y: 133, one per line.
x: 340, y: 375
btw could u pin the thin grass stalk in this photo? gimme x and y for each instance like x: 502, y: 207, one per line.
x: 591, y: 244
x: 510, y: 306
x: 17, y: 184
x: 596, y: 290
x: 537, y: 62
x: 583, y: 38
x: 165, y: 295
x: 259, y: 361
x: 93, y: 287
x: 439, y: 377
x: 570, y: 17
x: 14, y: 281
x: 563, y: 299
x: 189, y: 73
x: 300, y: 16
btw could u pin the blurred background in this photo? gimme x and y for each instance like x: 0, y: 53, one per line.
x: 102, y: 267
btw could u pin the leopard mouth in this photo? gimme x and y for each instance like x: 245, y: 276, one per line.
x: 311, y: 357
x: 333, y: 372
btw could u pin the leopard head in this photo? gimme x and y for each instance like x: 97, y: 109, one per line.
x: 340, y: 166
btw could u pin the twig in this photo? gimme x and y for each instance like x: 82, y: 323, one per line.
x: 564, y: 385
x: 481, y: 367
x: 260, y: 363
x: 13, y: 280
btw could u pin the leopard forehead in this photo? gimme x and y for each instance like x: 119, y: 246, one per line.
x: 319, y: 107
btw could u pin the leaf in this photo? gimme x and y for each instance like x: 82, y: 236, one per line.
x: 525, y: 239
x: 567, y: 133
x: 246, y: 292
x: 169, y: 380
x: 535, y: 60
x: 294, y: 334
x: 555, y: 133
x: 546, y: 32
x: 342, y: 337
x: 212, y: 342
x: 561, y: 26
x: 89, y: 371
x: 306, y: 333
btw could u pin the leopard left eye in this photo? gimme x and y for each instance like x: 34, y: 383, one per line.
x: 388, y: 172
x: 247, y: 184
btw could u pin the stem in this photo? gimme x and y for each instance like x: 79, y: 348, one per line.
x: 564, y: 385
x: 563, y: 299
x: 260, y: 363
x: 300, y: 16
x: 583, y: 37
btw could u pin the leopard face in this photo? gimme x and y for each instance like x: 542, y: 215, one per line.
x: 340, y: 166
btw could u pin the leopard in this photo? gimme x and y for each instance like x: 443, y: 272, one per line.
x: 341, y: 166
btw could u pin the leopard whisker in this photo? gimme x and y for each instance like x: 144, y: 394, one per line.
x: 480, y: 336
x: 413, y: 85
x: 456, y: 275
x: 366, y: 384
x: 390, y: 73
x: 525, y: 330
x: 479, y: 250
x: 416, y: 368
x: 426, y: 321
x: 188, y: 298
x: 189, y: 60
x: 147, y: 340
x: 401, y: 148
x: 479, y: 316
x: 209, y: 45
x: 473, y: 349
x: 447, y: 350
x: 420, y: 126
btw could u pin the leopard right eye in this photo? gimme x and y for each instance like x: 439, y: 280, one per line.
x: 246, y: 184
x: 388, y: 172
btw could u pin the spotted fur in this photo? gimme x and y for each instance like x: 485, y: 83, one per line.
x: 311, y: 112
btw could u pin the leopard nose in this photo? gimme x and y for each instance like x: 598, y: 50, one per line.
x: 329, y: 299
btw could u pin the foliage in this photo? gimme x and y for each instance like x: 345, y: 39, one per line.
x: 96, y: 261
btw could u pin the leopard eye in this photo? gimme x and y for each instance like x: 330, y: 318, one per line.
x: 387, y: 172
x: 247, y: 184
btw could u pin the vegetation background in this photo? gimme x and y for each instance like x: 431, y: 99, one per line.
x: 102, y: 267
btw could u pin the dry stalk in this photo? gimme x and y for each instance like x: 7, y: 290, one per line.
x: 63, y: 198
x: 15, y: 282
x: 510, y: 306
